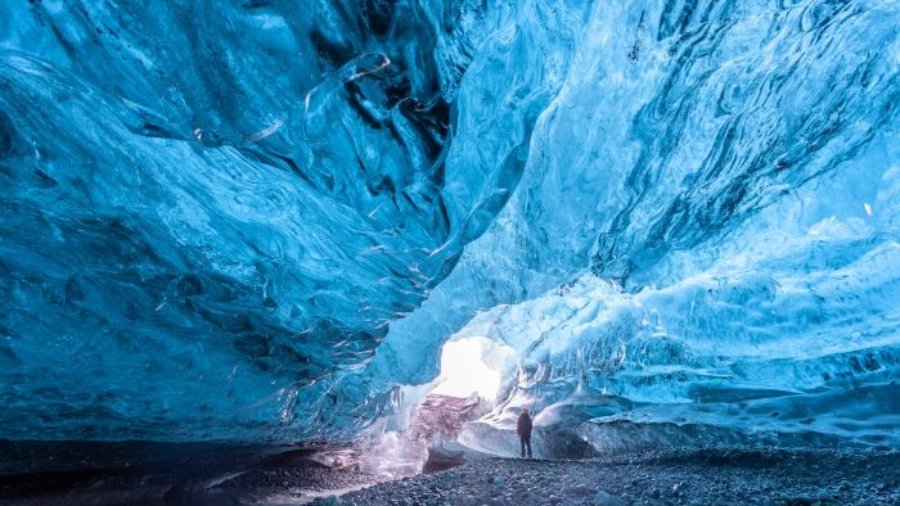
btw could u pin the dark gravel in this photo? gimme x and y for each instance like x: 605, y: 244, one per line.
x: 140, y: 473
x: 699, y: 477
x: 284, y: 476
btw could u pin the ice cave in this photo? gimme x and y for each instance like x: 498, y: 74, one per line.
x: 659, y: 225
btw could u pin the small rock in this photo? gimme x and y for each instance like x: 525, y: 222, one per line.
x: 798, y: 500
x: 580, y: 491
x: 331, y: 500
x: 604, y: 498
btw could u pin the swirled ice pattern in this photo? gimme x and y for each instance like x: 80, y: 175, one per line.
x: 259, y: 219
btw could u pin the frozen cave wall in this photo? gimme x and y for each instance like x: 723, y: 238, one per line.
x: 261, y: 219
x: 210, y: 207
x: 701, y: 247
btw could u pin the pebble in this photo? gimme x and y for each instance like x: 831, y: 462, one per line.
x: 331, y: 500
x: 604, y: 498
x: 580, y: 491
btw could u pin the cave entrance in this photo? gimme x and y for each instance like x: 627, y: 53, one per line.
x: 473, y: 366
x: 471, y: 376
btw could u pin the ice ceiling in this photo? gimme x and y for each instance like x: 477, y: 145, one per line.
x: 256, y: 220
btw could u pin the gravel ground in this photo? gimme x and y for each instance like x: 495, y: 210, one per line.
x: 153, y: 474
x: 699, y: 477
x: 278, y: 477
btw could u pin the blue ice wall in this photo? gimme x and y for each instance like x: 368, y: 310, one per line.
x: 210, y: 206
x: 256, y: 220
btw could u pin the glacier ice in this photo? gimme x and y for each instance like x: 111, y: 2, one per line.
x: 261, y: 220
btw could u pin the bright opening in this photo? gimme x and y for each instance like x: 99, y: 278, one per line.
x: 473, y: 365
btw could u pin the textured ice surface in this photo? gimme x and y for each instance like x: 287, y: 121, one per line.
x: 258, y: 219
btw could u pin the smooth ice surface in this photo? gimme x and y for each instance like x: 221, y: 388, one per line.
x: 260, y: 219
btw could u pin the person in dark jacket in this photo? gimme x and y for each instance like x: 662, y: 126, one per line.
x: 523, y: 428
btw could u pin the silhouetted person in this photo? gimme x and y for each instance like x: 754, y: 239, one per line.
x: 523, y: 428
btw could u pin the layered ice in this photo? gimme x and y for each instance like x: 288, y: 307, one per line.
x: 210, y: 207
x: 261, y: 220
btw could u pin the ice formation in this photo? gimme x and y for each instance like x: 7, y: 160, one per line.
x: 261, y: 219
